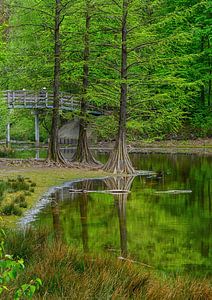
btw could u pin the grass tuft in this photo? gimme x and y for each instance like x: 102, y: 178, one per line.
x: 66, y: 272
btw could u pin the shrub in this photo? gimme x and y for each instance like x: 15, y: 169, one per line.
x: 23, y: 204
x: 20, y: 198
x: 6, y: 152
x: 9, y: 271
x: 11, y: 209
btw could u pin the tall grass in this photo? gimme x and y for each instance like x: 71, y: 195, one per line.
x: 68, y: 274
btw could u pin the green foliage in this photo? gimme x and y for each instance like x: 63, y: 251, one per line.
x: 202, y: 128
x: 105, y: 128
x: 169, y: 56
x: 9, y: 272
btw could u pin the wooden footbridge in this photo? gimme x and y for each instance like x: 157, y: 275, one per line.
x: 38, y: 102
x: 44, y: 100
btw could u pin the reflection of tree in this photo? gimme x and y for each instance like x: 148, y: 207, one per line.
x: 84, y: 220
x: 56, y: 215
x: 121, y: 184
x: 121, y: 201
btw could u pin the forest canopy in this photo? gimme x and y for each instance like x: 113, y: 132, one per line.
x: 168, y: 72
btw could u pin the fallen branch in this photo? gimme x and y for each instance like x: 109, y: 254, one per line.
x: 98, y: 191
x: 174, y: 192
x: 134, y: 261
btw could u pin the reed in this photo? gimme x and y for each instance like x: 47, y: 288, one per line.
x: 68, y: 274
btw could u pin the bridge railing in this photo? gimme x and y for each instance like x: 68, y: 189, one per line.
x: 43, y: 99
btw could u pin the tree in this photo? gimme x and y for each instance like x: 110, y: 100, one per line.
x: 54, y: 153
x: 83, y: 153
x: 119, y: 161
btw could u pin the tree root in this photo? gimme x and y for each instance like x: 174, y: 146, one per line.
x: 119, y: 161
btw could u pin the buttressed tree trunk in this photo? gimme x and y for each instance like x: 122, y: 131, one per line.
x: 119, y: 161
x: 83, y: 153
x: 54, y: 153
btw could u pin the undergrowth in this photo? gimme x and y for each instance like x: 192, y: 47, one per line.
x: 68, y: 274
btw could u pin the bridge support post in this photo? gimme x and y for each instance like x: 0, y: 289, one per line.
x: 8, y: 129
x: 37, y: 131
x: 8, y: 134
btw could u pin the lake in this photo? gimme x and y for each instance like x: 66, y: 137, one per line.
x: 162, y: 219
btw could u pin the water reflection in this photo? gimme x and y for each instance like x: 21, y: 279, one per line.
x: 171, y: 232
x: 83, y: 203
x: 121, y: 184
x: 55, y: 210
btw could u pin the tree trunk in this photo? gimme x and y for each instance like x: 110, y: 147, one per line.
x: 54, y: 154
x: 202, y: 93
x: 119, y: 161
x: 83, y: 153
x: 210, y: 73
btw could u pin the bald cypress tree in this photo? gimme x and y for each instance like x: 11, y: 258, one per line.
x: 119, y: 161
x: 54, y: 153
x: 83, y: 153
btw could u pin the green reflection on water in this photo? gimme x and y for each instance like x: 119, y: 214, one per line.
x: 171, y: 232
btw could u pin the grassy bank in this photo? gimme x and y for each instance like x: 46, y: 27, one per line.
x: 44, y: 177
x: 68, y: 274
x: 196, y: 143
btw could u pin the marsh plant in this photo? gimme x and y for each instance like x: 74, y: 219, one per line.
x: 65, y: 271
x: 13, y: 195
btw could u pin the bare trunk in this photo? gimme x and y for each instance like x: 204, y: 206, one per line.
x: 54, y: 153
x: 202, y: 93
x: 119, y: 161
x: 210, y: 73
x: 83, y: 153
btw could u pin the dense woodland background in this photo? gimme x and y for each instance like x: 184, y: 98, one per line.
x: 169, y: 63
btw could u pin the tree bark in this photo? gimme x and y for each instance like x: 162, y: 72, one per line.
x: 83, y: 153
x: 210, y: 73
x: 119, y: 160
x: 54, y: 154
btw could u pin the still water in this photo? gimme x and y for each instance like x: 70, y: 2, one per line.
x: 165, y: 221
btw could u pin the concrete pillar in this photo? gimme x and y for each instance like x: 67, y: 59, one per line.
x: 8, y: 128
x: 37, y: 131
x: 8, y: 134
x: 37, y: 154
